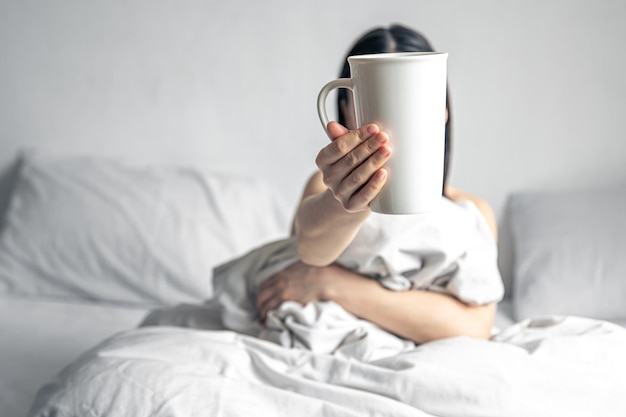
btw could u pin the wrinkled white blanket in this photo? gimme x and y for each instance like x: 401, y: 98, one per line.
x: 551, y: 367
x: 319, y: 360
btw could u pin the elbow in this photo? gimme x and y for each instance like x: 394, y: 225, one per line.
x: 479, y: 322
x: 308, y: 255
x: 475, y: 323
x: 452, y: 332
x: 478, y: 332
x: 473, y: 332
x: 311, y: 249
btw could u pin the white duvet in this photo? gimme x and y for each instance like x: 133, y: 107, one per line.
x: 319, y: 360
x: 550, y: 367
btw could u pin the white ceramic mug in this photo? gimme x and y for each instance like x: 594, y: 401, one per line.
x: 405, y: 95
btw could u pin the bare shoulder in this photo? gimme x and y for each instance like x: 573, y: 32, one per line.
x: 482, y: 205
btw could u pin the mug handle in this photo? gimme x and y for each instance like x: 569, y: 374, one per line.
x: 321, y: 98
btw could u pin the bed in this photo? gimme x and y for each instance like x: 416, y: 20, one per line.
x: 49, y: 316
x: 105, y: 292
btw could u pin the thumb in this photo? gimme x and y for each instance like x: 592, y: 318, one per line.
x: 335, y: 130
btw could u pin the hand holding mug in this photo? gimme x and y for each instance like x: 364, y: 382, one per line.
x: 351, y: 164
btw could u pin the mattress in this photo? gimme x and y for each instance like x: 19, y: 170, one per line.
x: 39, y: 338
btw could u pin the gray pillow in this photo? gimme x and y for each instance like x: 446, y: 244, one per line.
x: 570, y: 253
x: 113, y: 232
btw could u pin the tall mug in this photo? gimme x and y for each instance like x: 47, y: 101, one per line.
x: 405, y: 95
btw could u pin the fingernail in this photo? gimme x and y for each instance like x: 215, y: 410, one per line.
x: 371, y: 129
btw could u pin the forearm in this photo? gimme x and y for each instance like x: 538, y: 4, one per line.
x: 336, y: 199
x: 324, y: 229
x: 417, y: 315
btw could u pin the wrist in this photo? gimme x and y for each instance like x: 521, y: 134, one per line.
x: 340, y: 284
x: 338, y: 207
x: 323, y: 229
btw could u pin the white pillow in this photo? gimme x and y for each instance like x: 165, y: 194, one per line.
x: 96, y: 229
x: 570, y: 253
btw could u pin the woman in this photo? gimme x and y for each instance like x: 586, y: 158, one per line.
x: 335, y: 205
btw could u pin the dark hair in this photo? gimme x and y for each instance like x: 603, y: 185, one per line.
x: 396, y: 38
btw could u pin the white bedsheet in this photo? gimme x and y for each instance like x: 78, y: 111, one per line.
x: 38, y: 338
x: 558, y: 366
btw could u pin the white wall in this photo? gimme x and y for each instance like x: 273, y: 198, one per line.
x: 538, y: 87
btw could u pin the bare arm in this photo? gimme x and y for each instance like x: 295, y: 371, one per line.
x: 421, y: 316
x: 336, y: 199
x: 417, y: 315
x: 324, y: 229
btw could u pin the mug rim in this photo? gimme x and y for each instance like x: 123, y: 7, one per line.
x: 395, y: 56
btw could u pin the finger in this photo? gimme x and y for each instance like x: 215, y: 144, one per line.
x: 343, y: 144
x: 266, y: 291
x: 263, y: 295
x: 361, y: 153
x: 271, y: 304
x: 335, y: 130
x: 370, y: 190
x: 336, y: 174
x: 356, y: 179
